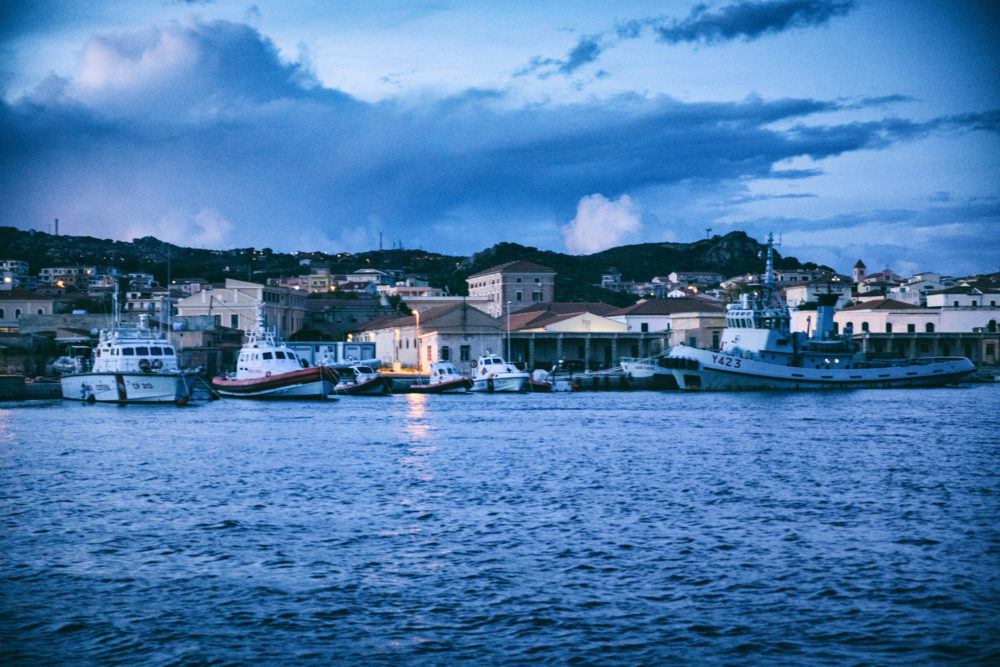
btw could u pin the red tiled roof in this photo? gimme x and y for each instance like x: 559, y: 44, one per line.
x: 21, y: 294
x: 671, y: 306
x: 882, y: 304
x: 517, y: 266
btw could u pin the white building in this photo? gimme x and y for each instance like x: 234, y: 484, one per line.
x: 963, y: 296
x: 457, y: 333
x: 235, y: 305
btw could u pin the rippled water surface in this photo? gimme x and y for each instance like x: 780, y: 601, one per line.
x: 611, y: 528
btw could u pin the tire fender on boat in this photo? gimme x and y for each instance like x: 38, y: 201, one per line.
x: 489, y: 383
x: 267, y: 374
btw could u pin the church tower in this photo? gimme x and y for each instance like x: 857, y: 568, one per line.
x: 859, y: 271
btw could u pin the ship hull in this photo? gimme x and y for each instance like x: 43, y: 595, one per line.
x: 129, y: 387
x: 379, y: 386
x: 509, y: 384
x: 458, y: 386
x: 704, y: 370
x: 308, y: 383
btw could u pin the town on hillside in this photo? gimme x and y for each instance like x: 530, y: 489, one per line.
x: 515, y: 306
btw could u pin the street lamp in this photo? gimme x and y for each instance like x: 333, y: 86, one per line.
x: 508, y: 332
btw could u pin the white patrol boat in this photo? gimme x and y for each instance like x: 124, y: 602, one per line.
x: 492, y: 374
x: 758, y: 351
x: 268, y: 369
x: 131, y: 364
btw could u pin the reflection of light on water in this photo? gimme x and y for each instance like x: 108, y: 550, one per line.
x: 416, y: 417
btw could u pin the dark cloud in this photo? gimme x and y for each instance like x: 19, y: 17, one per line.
x: 216, y: 138
x: 751, y: 20
x: 742, y: 20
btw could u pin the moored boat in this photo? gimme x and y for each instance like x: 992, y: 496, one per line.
x: 758, y: 351
x: 363, y: 381
x: 647, y: 372
x: 554, y: 380
x: 268, y: 369
x: 131, y: 364
x: 492, y: 374
x: 444, y: 379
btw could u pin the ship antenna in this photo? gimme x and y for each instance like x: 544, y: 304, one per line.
x: 769, y: 266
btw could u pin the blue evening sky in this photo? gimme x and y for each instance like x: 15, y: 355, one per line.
x: 853, y: 128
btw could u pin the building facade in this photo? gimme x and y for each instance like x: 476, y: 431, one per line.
x: 235, y: 305
x: 514, y: 285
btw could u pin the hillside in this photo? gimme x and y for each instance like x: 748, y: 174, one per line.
x: 731, y: 254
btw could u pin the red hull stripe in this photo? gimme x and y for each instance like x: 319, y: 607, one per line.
x: 254, y: 385
x: 441, y: 386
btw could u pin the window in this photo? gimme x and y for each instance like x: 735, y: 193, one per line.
x: 956, y: 303
x: 279, y: 354
x: 128, y: 352
x: 644, y: 327
x: 864, y: 326
x: 218, y: 320
x: 142, y: 351
x: 445, y: 353
x: 911, y: 328
x: 974, y: 303
x: 464, y: 352
x: 929, y: 327
x: 168, y: 351
x: 538, y: 281
x: 536, y: 296
x: 40, y: 312
x: 518, y: 295
x: 989, y: 349
x: 156, y: 351
x: 17, y: 313
x: 234, y: 321
x: 518, y: 280
x: 3, y: 313
x: 266, y: 355
x: 888, y: 327
x: 430, y: 354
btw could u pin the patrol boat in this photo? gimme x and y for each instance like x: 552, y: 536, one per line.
x: 758, y: 351
x: 131, y: 364
x: 269, y: 369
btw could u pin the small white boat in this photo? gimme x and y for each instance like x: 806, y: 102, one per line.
x: 131, y: 364
x: 363, y: 381
x: 444, y: 379
x: 647, y: 373
x: 556, y: 379
x: 268, y: 369
x: 492, y: 374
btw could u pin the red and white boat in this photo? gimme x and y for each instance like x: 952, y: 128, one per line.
x: 363, y: 381
x: 444, y: 379
x: 267, y: 369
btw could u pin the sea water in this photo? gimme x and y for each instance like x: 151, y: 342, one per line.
x: 837, y: 528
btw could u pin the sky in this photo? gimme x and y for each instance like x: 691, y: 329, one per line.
x: 850, y: 129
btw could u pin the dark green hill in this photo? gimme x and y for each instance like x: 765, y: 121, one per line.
x: 577, y: 278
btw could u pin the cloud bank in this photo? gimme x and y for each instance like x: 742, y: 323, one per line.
x: 199, y: 131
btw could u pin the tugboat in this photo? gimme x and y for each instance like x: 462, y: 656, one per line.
x: 492, y: 374
x: 267, y: 369
x: 131, y: 364
x: 363, y: 381
x: 444, y: 379
x: 758, y: 351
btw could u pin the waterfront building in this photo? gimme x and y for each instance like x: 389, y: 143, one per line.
x: 235, y: 305
x: 17, y: 302
x: 458, y: 333
x: 520, y: 284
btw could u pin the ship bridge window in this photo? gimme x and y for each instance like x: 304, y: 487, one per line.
x: 291, y: 355
x: 156, y: 351
x: 279, y: 355
x: 168, y: 351
x: 266, y: 355
x: 128, y: 352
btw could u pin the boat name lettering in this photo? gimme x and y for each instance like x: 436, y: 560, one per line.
x: 722, y: 360
x: 140, y: 385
